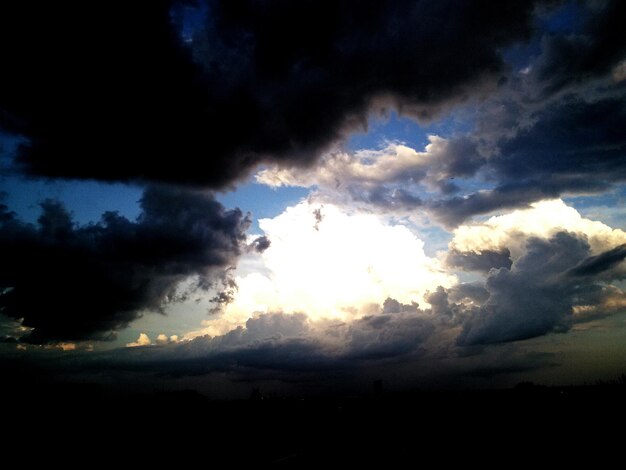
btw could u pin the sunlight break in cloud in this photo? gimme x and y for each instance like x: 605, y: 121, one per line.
x: 326, y: 262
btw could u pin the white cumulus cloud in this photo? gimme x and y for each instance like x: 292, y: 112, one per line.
x: 543, y: 220
x: 329, y: 263
x: 142, y: 340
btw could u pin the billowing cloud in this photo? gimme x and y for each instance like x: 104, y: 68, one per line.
x: 70, y: 282
x: 338, y: 265
x: 278, y: 341
x: 538, y: 294
x: 382, y: 336
x: 546, y: 268
x: 254, y: 82
x: 297, y: 342
x: 562, y: 267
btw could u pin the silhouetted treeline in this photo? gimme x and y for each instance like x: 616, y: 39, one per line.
x: 378, y: 427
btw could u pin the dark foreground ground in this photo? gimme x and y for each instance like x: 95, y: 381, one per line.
x: 81, y: 424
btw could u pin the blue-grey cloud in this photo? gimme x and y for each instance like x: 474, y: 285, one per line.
x: 595, y: 265
x: 553, y: 129
x: 482, y: 261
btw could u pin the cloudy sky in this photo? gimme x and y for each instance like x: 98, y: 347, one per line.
x: 311, y: 195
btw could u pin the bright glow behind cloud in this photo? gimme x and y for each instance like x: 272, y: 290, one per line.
x: 337, y: 265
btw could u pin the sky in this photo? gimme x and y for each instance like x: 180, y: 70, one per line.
x: 310, y: 196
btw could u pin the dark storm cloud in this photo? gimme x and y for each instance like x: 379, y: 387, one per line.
x: 387, y: 336
x: 287, y: 344
x: 473, y: 291
x: 290, y: 364
x: 537, y: 295
x: 575, y: 145
x: 479, y: 261
x: 289, y: 347
x: 260, y: 244
x: 603, y: 262
x: 391, y: 305
x: 571, y: 141
x: 454, y: 211
x: 384, y: 196
x: 556, y: 128
x: 459, y: 158
x: 277, y: 342
x: 71, y: 282
x: 586, y: 54
x: 105, y: 90
x: 370, y: 338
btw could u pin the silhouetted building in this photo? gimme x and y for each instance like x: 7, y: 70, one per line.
x: 256, y: 395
